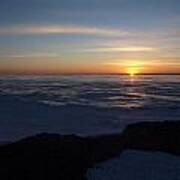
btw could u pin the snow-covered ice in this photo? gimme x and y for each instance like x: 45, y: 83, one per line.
x: 84, y: 105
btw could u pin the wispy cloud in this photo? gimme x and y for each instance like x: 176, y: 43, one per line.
x: 31, y: 55
x: 143, y: 62
x: 60, y: 29
x: 122, y: 49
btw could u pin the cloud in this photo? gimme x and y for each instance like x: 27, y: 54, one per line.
x: 122, y: 49
x: 60, y: 29
x: 143, y: 62
x: 33, y: 55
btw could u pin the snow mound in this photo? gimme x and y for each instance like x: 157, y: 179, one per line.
x: 138, y: 165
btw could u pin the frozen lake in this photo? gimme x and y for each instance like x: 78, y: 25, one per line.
x: 84, y: 104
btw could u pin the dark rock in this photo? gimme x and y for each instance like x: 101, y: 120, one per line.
x: 52, y: 156
x: 153, y: 136
x: 55, y: 157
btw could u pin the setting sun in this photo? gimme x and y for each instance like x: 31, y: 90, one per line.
x: 133, y: 68
x: 132, y: 71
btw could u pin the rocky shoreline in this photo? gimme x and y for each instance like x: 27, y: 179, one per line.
x: 68, y: 157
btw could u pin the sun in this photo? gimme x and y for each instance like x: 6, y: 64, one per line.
x: 132, y: 74
x: 133, y: 67
x: 132, y: 70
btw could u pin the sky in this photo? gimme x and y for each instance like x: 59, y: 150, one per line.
x: 89, y: 36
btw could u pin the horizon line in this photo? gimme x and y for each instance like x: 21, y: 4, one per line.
x: 56, y: 74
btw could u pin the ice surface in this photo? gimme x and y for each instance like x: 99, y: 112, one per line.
x: 84, y: 105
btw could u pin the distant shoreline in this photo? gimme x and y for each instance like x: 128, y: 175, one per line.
x: 89, y: 74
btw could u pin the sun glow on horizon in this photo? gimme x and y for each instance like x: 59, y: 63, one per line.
x: 133, y: 68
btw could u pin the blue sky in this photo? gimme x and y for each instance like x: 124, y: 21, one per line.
x: 73, y: 33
